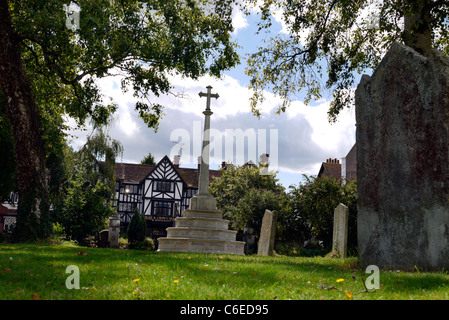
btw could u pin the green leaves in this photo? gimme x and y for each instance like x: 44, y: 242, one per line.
x: 243, y: 194
x: 86, y: 187
x: 315, y: 201
x: 345, y: 36
x: 137, y: 228
x: 143, y: 41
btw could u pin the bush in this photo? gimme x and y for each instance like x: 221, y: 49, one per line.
x: 146, y: 244
x: 243, y: 194
x: 5, y: 237
x: 85, y: 209
x: 296, y: 249
x: 291, y: 249
x: 123, y: 242
x: 315, y: 202
x: 58, y: 230
x: 137, y: 230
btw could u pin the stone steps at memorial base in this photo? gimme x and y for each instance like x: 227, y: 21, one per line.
x: 202, y: 214
x: 201, y: 233
x: 205, y: 223
x: 200, y: 245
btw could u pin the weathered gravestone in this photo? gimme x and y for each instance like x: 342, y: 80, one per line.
x: 402, y: 115
x: 340, y: 233
x: 267, y: 233
x: 103, y: 238
x: 114, y: 231
x: 249, y: 237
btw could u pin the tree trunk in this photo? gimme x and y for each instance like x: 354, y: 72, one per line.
x: 417, y: 27
x: 33, y: 210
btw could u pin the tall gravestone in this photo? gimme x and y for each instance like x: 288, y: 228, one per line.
x: 267, y: 233
x: 114, y: 231
x: 340, y: 232
x: 402, y: 115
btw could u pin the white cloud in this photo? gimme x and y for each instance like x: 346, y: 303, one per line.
x: 305, y: 138
x: 239, y: 20
x: 233, y: 96
x: 334, y: 138
x: 125, y: 100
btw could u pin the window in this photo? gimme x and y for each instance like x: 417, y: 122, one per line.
x: 166, y: 186
x: 127, y: 206
x: 130, y: 188
x: 191, y: 192
x: 162, y: 208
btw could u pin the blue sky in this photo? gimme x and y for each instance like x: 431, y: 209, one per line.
x: 304, y: 136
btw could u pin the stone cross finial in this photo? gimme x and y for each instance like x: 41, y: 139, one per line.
x: 208, y: 95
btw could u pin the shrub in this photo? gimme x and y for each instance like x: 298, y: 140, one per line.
x: 315, y: 201
x: 288, y: 249
x: 146, y: 244
x: 137, y: 230
x: 243, y: 194
x: 123, y: 242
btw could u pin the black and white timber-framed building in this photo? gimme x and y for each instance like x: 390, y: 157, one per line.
x: 161, y: 192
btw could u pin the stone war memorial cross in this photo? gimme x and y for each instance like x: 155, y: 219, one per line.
x: 201, y: 228
x: 203, y: 200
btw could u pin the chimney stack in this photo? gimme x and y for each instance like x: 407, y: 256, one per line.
x: 176, y: 161
x: 335, y: 160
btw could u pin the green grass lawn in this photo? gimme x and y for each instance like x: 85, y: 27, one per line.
x: 38, y: 271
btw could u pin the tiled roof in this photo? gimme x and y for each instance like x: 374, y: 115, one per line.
x: 134, y: 173
x: 330, y: 170
x: 190, y: 176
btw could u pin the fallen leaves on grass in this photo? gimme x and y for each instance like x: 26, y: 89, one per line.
x: 348, y: 294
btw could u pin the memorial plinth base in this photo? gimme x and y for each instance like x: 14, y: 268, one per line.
x: 201, y: 231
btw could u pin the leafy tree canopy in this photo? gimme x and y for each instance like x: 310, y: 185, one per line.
x: 148, y: 159
x: 82, y: 201
x: 144, y: 41
x: 332, y: 40
x: 50, y: 67
x: 315, y: 200
x: 243, y: 194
